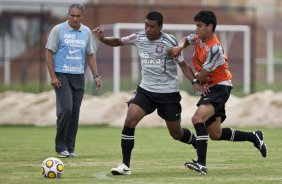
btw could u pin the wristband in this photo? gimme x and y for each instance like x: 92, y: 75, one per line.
x: 96, y: 76
x: 194, y: 81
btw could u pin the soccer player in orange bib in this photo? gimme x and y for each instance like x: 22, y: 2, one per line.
x: 211, y: 68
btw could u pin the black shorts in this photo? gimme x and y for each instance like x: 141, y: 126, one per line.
x: 217, y: 96
x: 167, y: 104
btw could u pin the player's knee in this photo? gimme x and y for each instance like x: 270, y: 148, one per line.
x: 196, y: 119
x: 215, y: 136
x: 129, y: 122
x: 175, y: 135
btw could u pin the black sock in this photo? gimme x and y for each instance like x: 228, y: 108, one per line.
x: 189, y: 137
x: 202, y: 142
x: 127, y: 144
x: 236, y: 135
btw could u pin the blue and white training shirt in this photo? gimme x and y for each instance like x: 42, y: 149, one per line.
x: 69, y: 47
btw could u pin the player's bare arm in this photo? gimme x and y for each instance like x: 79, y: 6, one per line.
x: 175, y: 51
x: 187, y: 71
x: 111, y: 41
x: 202, y: 76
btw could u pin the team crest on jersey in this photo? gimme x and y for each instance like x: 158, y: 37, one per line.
x: 160, y: 48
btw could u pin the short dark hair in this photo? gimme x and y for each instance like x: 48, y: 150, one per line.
x: 207, y: 17
x: 77, y: 5
x: 154, y: 15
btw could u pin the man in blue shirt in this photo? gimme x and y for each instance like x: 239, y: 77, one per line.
x: 69, y: 48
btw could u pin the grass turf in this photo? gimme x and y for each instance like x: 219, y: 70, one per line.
x: 156, y: 158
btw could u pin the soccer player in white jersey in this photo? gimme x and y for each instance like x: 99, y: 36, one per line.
x: 69, y: 45
x: 159, y: 85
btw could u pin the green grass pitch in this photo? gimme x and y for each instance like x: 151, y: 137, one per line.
x: 156, y: 158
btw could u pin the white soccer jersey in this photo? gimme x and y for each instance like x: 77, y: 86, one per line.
x: 158, y: 69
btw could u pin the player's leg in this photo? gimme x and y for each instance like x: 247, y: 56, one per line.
x: 217, y: 133
x: 214, y: 128
x: 204, y: 112
x: 169, y: 109
x: 181, y: 134
x: 134, y: 115
x: 139, y: 106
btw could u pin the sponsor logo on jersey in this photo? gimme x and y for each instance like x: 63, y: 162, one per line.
x: 147, y: 61
x: 71, y: 68
x: 73, y: 41
x: 73, y: 57
x: 73, y: 51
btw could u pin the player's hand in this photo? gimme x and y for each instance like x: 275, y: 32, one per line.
x: 201, y: 89
x: 55, y: 82
x: 175, y: 51
x: 99, y: 33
